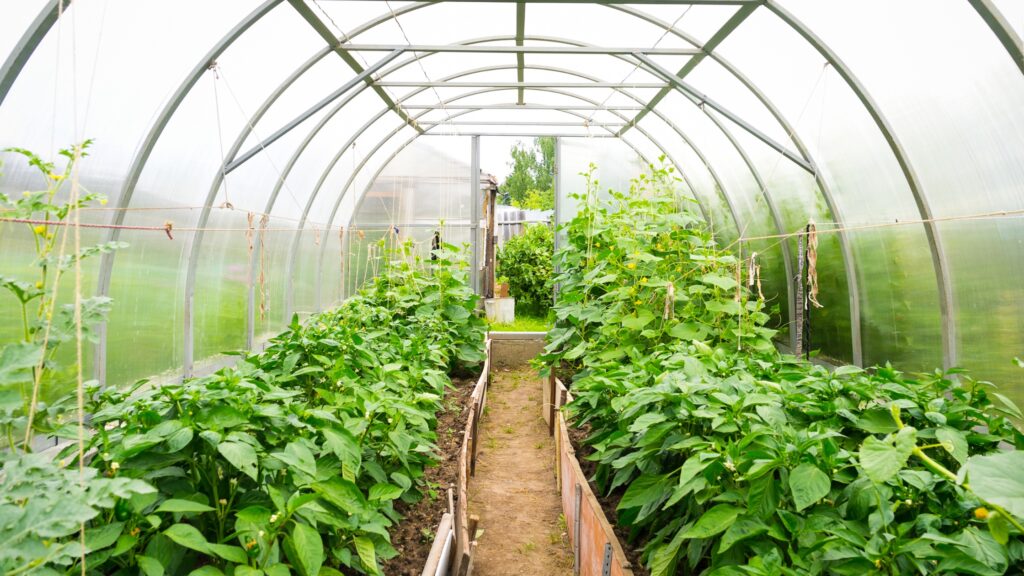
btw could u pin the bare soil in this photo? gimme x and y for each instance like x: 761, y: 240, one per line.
x: 514, y: 490
x: 414, y: 535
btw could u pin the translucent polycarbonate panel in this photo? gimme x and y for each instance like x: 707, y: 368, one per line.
x: 701, y: 22
x: 965, y: 155
x: 899, y: 301
x: 328, y: 288
x: 302, y: 266
x: 99, y: 75
x: 591, y: 24
x: 271, y: 271
x: 375, y: 156
x: 322, y: 78
x: 987, y: 259
x: 615, y: 164
x: 17, y: 18
x: 427, y: 183
x: 713, y: 79
x: 222, y: 284
x: 145, y: 327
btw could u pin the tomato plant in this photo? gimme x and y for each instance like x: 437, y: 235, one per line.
x: 730, y: 458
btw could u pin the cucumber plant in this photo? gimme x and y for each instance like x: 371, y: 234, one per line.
x: 729, y: 458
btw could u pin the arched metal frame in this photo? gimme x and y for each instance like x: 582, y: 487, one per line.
x: 986, y: 10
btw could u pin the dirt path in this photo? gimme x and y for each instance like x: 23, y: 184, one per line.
x: 514, y: 489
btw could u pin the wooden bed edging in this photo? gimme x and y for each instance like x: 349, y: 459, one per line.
x: 465, y: 527
x: 596, y: 548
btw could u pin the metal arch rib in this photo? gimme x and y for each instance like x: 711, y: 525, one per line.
x: 28, y: 43
x: 947, y: 305
x: 520, y: 57
x: 1002, y: 29
x: 142, y: 155
x: 849, y: 264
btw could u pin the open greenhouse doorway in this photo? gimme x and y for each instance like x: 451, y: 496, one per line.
x: 521, y: 213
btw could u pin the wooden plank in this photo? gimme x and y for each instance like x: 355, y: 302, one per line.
x: 572, y: 468
x: 441, y: 536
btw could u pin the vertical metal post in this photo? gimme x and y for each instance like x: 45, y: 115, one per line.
x: 474, y: 210
x: 557, y: 218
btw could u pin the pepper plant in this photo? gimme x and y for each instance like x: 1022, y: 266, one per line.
x: 729, y: 458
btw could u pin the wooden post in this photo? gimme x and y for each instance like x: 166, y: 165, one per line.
x: 553, y: 385
x: 492, y: 197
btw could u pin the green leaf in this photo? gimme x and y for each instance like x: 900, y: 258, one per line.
x: 178, y: 505
x: 383, y: 492
x: 720, y: 281
x: 808, y: 484
x: 346, y: 448
x: 364, y: 547
x: 954, y: 442
x: 642, y: 318
x: 230, y: 553
x: 883, y: 459
x: 307, y: 550
x: 296, y: 455
x: 342, y: 493
x: 188, y: 536
x: 209, y: 570
x: 100, y: 537
x: 714, y: 521
x: 241, y: 456
x: 999, y: 527
x: 745, y: 527
x: 149, y: 566
x: 999, y: 479
x: 17, y: 361
x: 688, y: 331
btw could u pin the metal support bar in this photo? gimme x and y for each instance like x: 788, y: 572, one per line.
x: 474, y: 210
x: 533, y: 49
x: 520, y: 56
x: 705, y: 100
x: 513, y: 106
x: 288, y: 127
x: 520, y: 84
x: 681, y: 2
x: 28, y: 43
x: 1000, y: 26
x: 692, y: 63
x: 947, y: 305
x: 342, y: 50
x: 583, y: 124
x: 142, y: 156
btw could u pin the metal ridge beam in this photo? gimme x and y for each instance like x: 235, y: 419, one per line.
x: 583, y: 124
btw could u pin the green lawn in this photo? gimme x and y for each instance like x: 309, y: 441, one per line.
x: 523, y: 324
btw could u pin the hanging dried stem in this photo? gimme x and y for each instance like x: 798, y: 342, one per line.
x: 812, y: 264
x: 262, y: 281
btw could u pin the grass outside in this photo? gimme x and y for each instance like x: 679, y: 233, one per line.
x: 523, y: 324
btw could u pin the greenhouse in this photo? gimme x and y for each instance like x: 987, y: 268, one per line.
x: 321, y: 287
